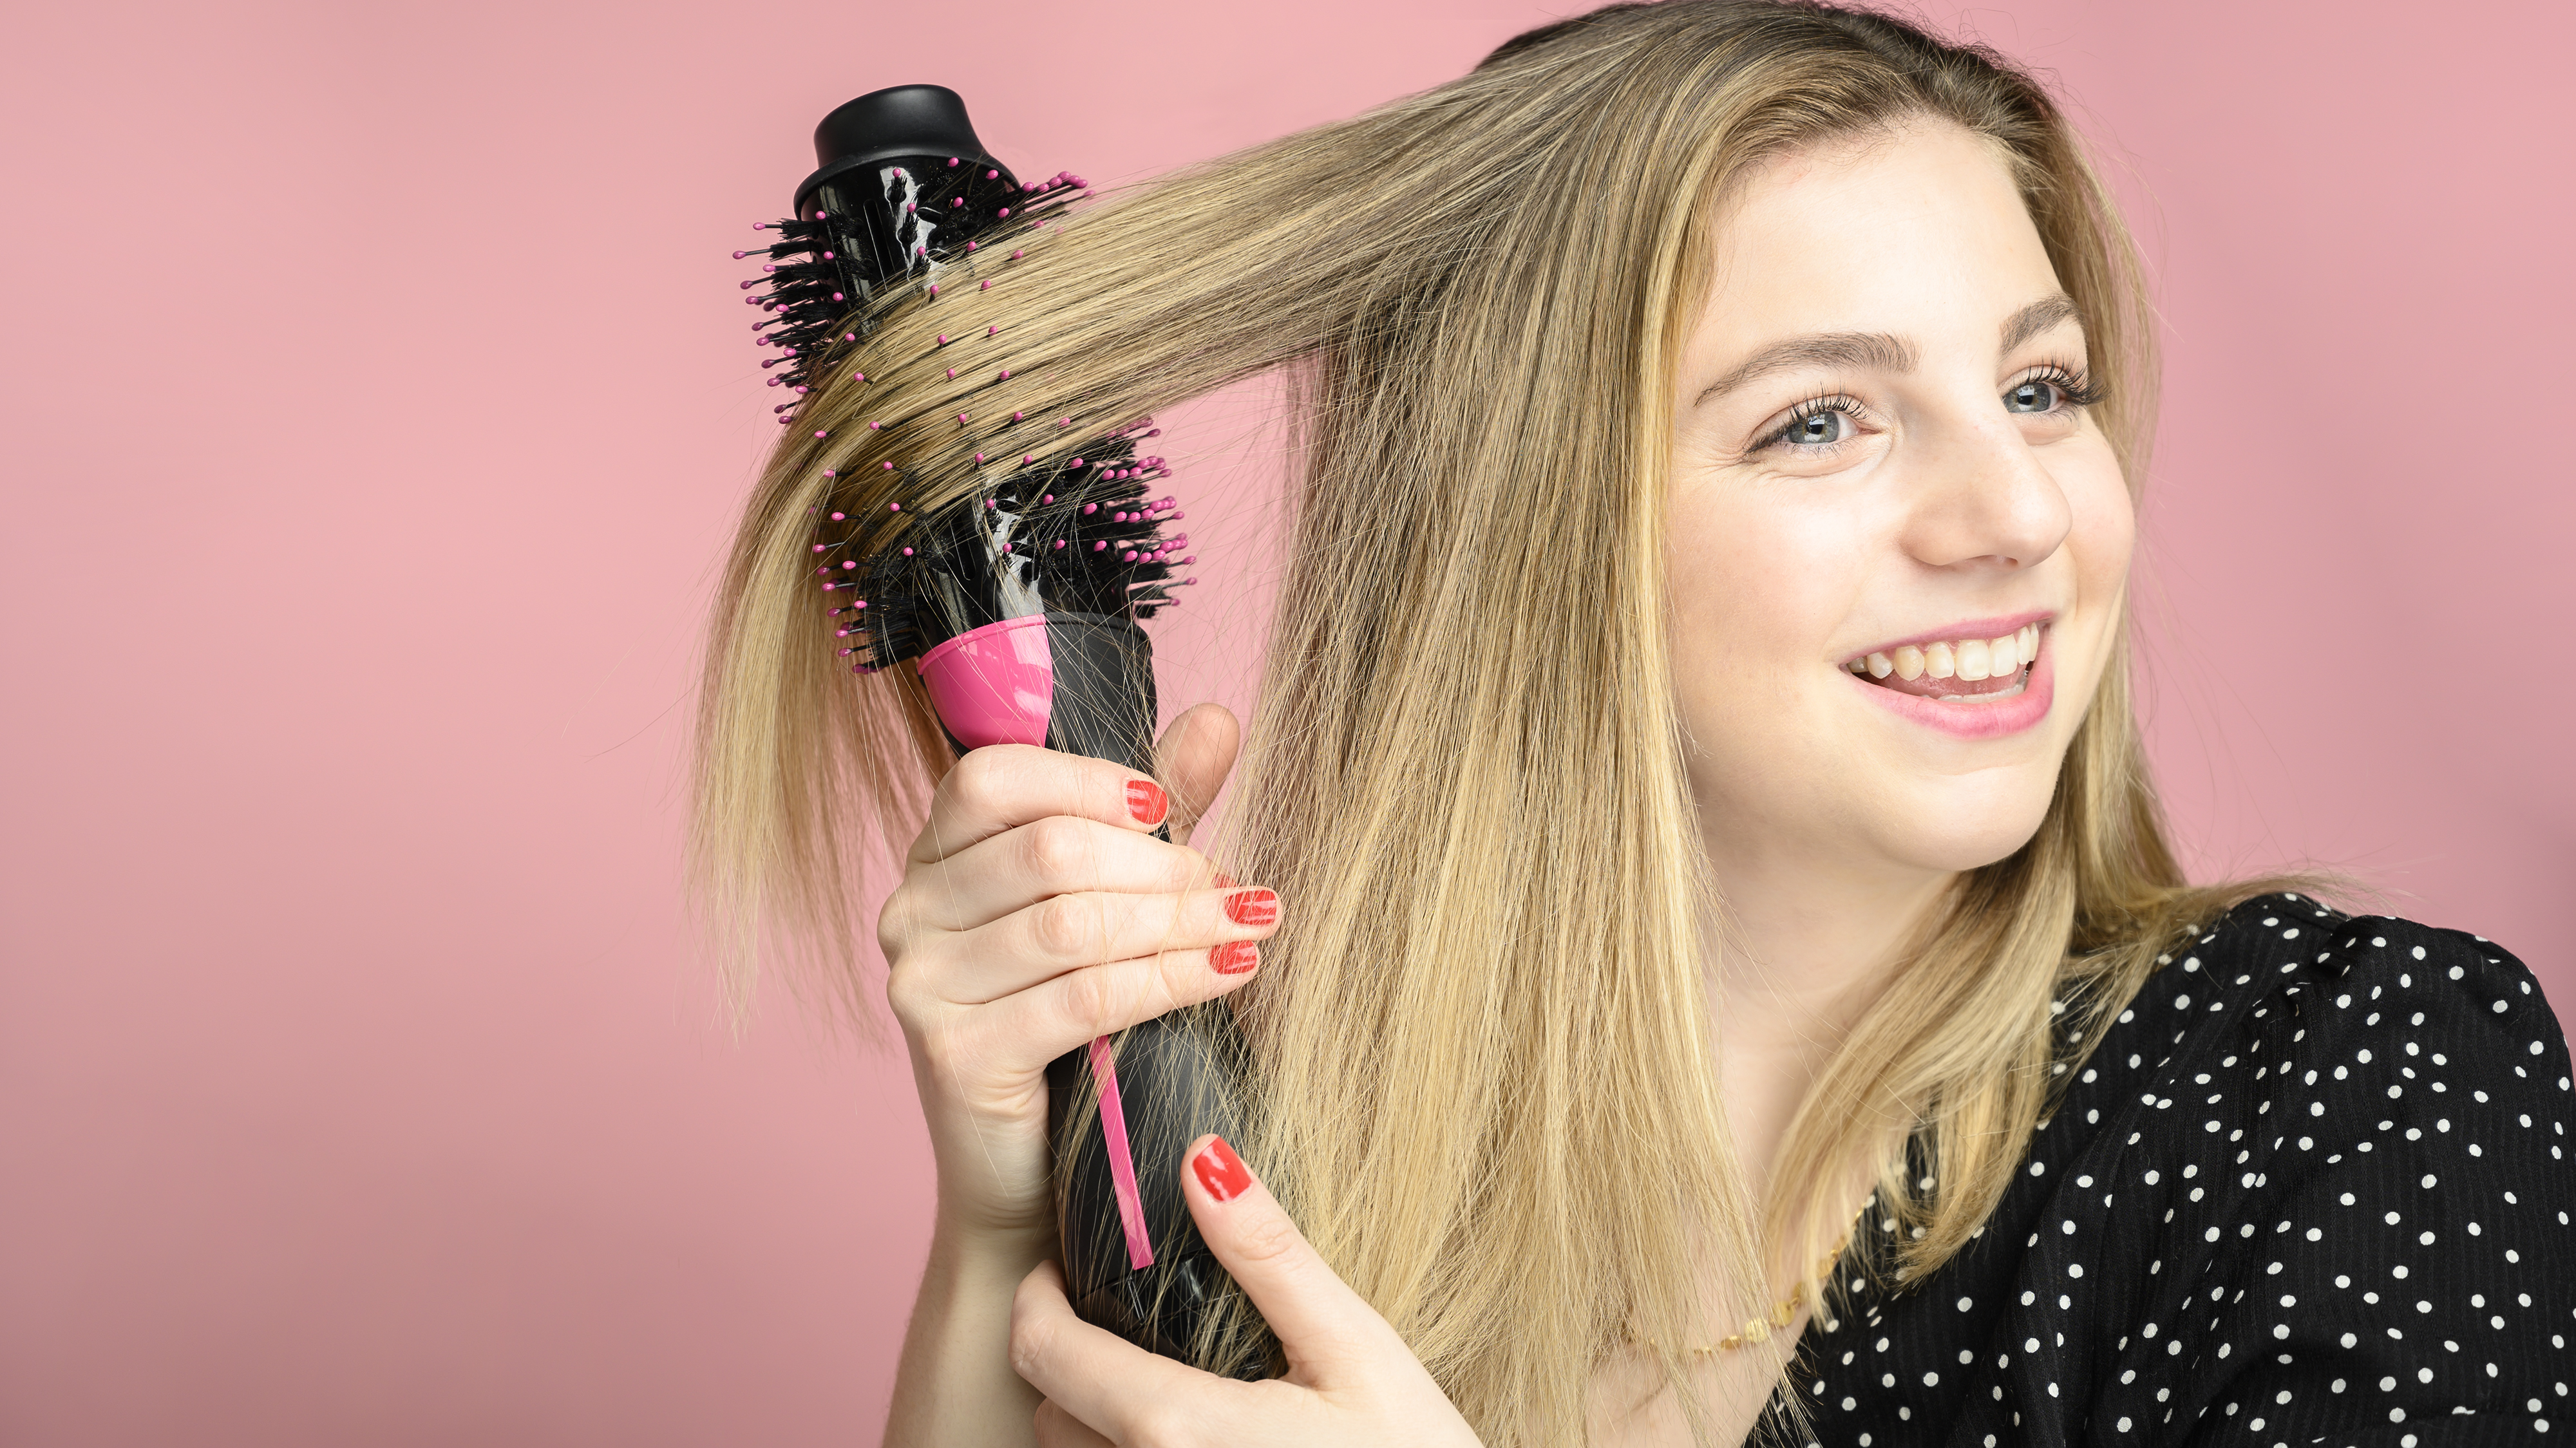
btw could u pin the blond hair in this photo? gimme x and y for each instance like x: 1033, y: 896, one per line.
x: 1486, y: 1074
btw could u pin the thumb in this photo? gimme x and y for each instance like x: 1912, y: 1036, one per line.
x: 1325, y: 1326
x: 1194, y: 758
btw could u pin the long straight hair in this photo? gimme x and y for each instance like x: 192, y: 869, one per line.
x: 1484, y: 1023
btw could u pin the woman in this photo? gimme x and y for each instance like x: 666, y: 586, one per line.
x: 1707, y: 935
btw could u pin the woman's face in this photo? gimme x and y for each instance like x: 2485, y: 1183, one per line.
x: 1899, y: 540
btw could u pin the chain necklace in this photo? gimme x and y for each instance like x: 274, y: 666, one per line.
x: 1757, y: 1330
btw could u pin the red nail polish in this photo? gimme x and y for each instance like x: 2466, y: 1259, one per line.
x: 1221, y: 1171
x: 1234, y: 957
x: 1253, y: 907
x: 1146, y: 801
x: 1224, y: 881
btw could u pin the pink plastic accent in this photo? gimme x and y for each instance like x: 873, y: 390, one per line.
x: 995, y: 684
x: 1122, y: 1162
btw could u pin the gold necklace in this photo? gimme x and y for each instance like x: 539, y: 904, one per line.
x: 1758, y: 1330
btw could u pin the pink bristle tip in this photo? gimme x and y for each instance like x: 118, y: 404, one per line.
x: 827, y: 472
x: 760, y: 226
x: 1027, y: 458
x: 1006, y: 211
x: 961, y: 419
x: 893, y: 507
x: 1059, y: 543
x: 1049, y: 498
x: 907, y: 553
x: 992, y: 175
x: 889, y: 467
x: 992, y: 331
x: 822, y: 434
x: 845, y: 563
x: 1099, y: 547
x: 1005, y: 377
x: 1015, y: 256
x: 858, y: 377
x: 970, y: 246
x: 943, y: 339
x: 1077, y: 462
x: 986, y: 287
x: 818, y: 216
x: 874, y: 426
x: 822, y: 547
x: 952, y: 160
x: 1090, y: 508
x: 840, y: 517
x: 979, y: 457
x: 934, y: 291
x: 1017, y: 416
x: 952, y: 374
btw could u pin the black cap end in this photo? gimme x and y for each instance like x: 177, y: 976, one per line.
x: 903, y: 120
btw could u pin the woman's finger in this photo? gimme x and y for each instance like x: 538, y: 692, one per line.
x: 1113, y: 1386
x: 1193, y: 759
x: 1058, y: 855
x: 1071, y: 932
x: 1004, y: 786
x: 1023, y: 1031
x: 1328, y: 1331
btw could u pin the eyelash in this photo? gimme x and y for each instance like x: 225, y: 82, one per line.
x: 2075, y: 388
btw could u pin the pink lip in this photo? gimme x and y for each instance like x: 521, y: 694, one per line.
x: 1974, y: 628
x: 1978, y: 721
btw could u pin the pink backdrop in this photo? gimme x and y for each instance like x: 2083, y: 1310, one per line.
x: 376, y: 398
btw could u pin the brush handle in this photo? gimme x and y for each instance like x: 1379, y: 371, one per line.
x: 1084, y: 684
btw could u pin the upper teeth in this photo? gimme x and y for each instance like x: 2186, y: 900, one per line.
x: 1969, y: 659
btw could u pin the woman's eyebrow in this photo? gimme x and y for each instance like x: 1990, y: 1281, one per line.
x: 1879, y: 351
x: 2038, y: 318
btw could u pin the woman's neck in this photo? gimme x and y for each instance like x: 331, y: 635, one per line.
x: 1809, y: 944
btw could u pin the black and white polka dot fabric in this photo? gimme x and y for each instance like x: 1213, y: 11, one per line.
x: 2313, y: 1186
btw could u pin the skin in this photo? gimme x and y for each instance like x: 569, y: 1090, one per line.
x: 1832, y: 823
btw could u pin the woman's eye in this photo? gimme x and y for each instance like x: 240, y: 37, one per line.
x: 2036, y: 395
x: 1817, y: 429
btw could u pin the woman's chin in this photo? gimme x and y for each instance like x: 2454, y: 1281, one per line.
x: 1961, y: 825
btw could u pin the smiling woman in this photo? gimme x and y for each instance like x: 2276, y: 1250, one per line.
x: 1720, y: 970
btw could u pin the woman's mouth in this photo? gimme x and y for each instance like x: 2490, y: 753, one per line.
x: 1955, y: 671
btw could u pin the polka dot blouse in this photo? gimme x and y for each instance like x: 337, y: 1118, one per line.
x: 2312, y: 1186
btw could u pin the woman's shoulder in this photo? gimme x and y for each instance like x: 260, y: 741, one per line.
x: 2416, y: 1004
x: 2330, y: 1154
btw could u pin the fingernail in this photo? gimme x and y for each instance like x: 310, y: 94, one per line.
x: 1253, y: 907
x: 1234, y: 957
x: 1221, y: 1171
x: 1145, y: 800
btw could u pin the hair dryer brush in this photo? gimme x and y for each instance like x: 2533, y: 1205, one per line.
x: 1019, y: 608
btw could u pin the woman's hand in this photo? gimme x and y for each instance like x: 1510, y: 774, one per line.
x: 1350, y: 1380
x: 1037, y: 911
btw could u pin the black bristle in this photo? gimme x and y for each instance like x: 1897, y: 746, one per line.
x: 906, y: 220
x: 1115, y: 559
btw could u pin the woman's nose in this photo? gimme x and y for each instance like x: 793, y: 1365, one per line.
x: 1982, y: 499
